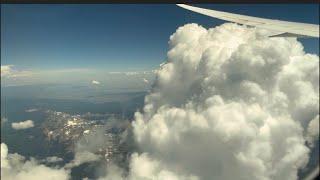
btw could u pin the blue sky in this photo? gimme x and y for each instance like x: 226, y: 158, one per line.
x: 124, y: 37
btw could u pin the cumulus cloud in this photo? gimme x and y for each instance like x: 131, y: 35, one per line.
x: 22, y: 125
x: 230, y: 103
x: 95, y: 82
x: 145, y: 81
x: 313, y: 131
x: 15, y: 167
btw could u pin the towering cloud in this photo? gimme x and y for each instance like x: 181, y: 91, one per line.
x: 230, y: 103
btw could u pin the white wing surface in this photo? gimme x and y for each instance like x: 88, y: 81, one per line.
x: 280, y: 28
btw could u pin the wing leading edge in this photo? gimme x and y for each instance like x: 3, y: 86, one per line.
x: 280, y: 28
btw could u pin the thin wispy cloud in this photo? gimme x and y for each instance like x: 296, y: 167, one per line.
x: 9, y: 71
x: 6, y: 70
x: 31, y: 110
x: 133, y: 73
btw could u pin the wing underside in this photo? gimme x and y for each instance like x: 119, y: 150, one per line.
x: 280, y: 28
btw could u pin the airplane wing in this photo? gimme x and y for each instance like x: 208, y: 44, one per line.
x: 279, y: 28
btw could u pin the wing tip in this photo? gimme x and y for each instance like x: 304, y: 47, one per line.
x: 182, y: 5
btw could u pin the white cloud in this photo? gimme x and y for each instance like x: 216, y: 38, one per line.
x: 143, y: 167
x: 95, y: 82
x: 133, y: 73
x: 145, y: 81
x: 115, y: 72
x: 4, y: 154
x: 22, y: 125
x: 31, y: 110
x: 87, y: 146
x: 162, y: 64
x: 52, y: 159
x: 70, y: 70
x: 82, y: 157
x: 314, y: 174
x: 15, y: 167
x: 230, y: 103
x: 4, y: 120
x: 115, y: 80
x: 313, y: 131
x: 13, y: 76
x: 8, y: 71
x: 113, y: 173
